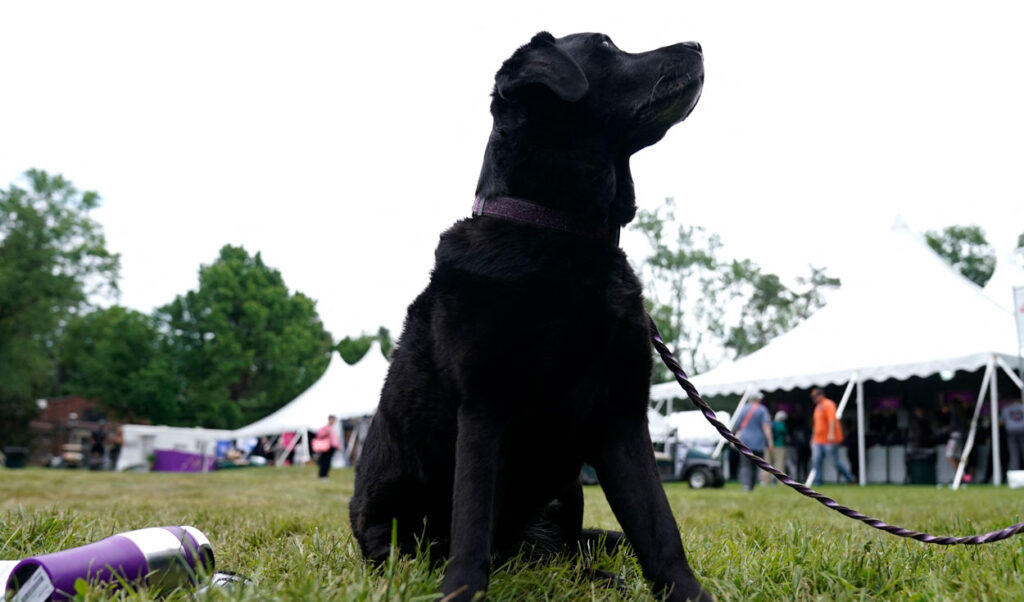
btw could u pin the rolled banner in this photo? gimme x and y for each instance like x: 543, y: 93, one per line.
x: 159, y: 557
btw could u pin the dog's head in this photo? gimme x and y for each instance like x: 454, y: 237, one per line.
x: 584, y: 86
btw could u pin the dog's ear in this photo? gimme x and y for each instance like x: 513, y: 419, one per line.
x: 542, y: 62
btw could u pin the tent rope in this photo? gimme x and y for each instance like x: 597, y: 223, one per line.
x: 785, y: 479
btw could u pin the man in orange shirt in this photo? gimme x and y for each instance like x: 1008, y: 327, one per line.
x: 828, y: 434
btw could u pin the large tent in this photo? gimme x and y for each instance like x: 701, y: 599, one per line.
x: 1009, y: 274
x: 173, y: 448
x: 348, y: 392
x: 902, y: 312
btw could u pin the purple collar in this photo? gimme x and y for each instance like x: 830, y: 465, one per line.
x: 526, y: 212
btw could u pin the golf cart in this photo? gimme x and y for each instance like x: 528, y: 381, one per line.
x: 676, y: 460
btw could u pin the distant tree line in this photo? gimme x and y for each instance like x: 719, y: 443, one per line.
x: 242, y: 345
x: 232, y: 351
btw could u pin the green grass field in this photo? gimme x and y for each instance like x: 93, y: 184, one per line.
x: 288, y: 532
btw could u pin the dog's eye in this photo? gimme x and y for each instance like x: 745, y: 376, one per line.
x: 607, y: 42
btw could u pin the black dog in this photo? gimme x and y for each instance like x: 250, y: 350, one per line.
x: 528, y: 353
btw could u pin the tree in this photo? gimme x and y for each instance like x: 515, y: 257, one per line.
x: 770, y: 308
x: 53, y: 258
x: 117, y: 356
x: 709, y: 309
x: 684, y: 293
x: 353, y: 349
x: 242, y: 345
x: 966, y: 249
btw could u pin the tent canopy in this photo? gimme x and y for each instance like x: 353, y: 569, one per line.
x: 901, y: 312
x: 1008, y: 275
x: 344, y: 391
x: 141, y: 440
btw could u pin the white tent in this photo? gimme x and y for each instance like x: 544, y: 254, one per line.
x: 1009, y: 274
x: 140, y: 441
x: 344, y: 391
x: 902, y: 312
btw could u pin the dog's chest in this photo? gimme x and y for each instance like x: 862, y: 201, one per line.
x: 539, y: 321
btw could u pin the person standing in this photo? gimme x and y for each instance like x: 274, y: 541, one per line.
x: 325, y: 443
x: 779, y: 435
x: 826, y: 437
x: 955, y: 433
x: 115, y: 447
x: 98, y: 447
x: 1012, y: 417
x: 800, y: 444
x: 755, y: 432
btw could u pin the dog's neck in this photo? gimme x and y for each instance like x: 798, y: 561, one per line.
x: 527, y: 212
x: 596, y: 186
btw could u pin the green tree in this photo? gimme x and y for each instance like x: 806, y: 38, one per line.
x: 770, y: 308
x: 116, y: 355
x: 966, y: 249
x: 242, y: 345
x: 53, y: 259
x: 683, y: 289
x: 386, y: 343
x: 353, y: 349
x: 709, y: 309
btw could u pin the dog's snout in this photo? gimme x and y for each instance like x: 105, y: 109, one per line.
x: 693, y: 46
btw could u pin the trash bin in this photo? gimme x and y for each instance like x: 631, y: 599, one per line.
x: 921, y: 466
x: 16, y: 457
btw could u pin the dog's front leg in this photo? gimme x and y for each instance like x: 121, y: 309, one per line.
x: 629, y: 476
x: 474, y: 503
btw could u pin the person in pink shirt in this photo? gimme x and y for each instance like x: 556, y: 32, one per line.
x: 326, y: 441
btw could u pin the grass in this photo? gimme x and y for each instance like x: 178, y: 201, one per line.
x: 288, y: 532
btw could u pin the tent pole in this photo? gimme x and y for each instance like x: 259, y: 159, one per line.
x: 1018, y: 308
x: 846, y: 396
x: 346, y: 444
x: 350, y: 444
x: 273, y: 443
x: 1010, y: 372
x: 861, y: 455
x: 732, y: 420
x: 993, y: 397
x: 304, y: 442
x: 839, y: 415
x: 969, y: 443
x: 284, y: 452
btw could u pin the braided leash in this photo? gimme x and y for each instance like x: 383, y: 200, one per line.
x: 705, y: 409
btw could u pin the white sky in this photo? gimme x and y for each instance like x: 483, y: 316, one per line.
x: 339, y: 139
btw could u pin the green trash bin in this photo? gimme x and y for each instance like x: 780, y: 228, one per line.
x: 16, y: 457
x: 921, y: 466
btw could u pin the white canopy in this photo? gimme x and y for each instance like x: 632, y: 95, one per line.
x: 693, y: 427
x: 1008, y: 275
x: 902, y: 312
x: 344, y: 391
x: 141, y: 440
